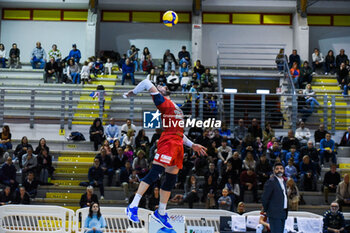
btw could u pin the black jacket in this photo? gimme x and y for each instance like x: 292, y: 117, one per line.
x: 50, y: 66
x: 273, y: 199
x: 14, y: 52
x: 84, y: 200
x: 25, y: 200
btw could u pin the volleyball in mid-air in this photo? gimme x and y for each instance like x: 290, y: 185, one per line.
x: 170, y: 18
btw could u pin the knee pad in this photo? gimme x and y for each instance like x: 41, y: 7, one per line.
x: 153, y: 174
x: 169, y: 182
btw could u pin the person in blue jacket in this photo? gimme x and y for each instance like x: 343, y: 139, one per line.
x: 327, y: 149
x: 74, y: 53
x: 94, y: 223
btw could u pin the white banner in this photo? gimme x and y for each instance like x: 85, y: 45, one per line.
x: 196, y: 229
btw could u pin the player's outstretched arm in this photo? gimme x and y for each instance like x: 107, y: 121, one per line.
x: 145, y: 85
x: 196, y: 147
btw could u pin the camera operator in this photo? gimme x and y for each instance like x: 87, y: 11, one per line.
x: 133, y: 55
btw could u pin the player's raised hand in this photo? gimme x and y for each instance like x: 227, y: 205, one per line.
x: 128, y: 94
x: 201, y: 150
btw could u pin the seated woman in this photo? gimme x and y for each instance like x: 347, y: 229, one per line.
x: 5, y: 137
x: 295, y: 72
x: 73, y: 71
x: 317, y: 60
x: 309, y: 93
x: 293, y: 195
x: 45, y: 168
x: 129, y: 139
x: 97, y: 133
x: 153, y: 201
x: 94, y: 223
x: 330, y: 63
x: 140, y: 164
x: 21, y: 149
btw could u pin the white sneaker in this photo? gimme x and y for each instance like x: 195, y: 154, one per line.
x: 126, y: 200
x: 326, y: 73
x: 313, y: 73
x: 102, y: 198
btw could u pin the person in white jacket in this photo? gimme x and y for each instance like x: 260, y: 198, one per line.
x: 108, y: 67
x: 184, y: 81
x: 2, y: 56
x: 173, y: 81
x: 85, y: 73
x: 303, y: 134
x: 317, y: 60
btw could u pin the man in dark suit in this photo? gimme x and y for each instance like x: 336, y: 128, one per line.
x: 275, y: 201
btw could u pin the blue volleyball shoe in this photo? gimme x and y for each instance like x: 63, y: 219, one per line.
x: 162, y: 219
x: 132, y: 214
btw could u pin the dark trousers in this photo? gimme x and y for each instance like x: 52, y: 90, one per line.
x: 326, y: 155
x: 55, y: 74
x: 254, y: 190
x: 277, y: 225
x: 97, y: 139
x: 191, y: 198
x: 100, y: 185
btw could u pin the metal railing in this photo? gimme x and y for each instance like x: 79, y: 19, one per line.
x: 64, y: 107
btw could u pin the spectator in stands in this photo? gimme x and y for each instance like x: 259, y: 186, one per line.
x: 108, y: 66
x: 152, y: 76
x: 224, y: 154
x: 125, y: 128
x: 290, y: 170
x: 184, y: 82
x: 249, y: 162
x: 45, y: 168
x: 263, y: 170
x: 255, y: 129
x: 38, y: 56
x: 73, y: 71
x: 343, y: 192
x: 106, y: 165
x: 21, y: 149
x: 342, y: 74
x: 280, y: 58
x: 55, y: 53
x: 22, y: 197
x: 236, y: 163
x: 198, y: 69
x: 161, y: 79
x: 133, y: 56
x: 310, y: 97
x: 308, y: 177
x: 320, y: 133
x: 142, y: 141
x: 112, y: 131
x: 30, y: 184
x: 3, y: 56
x: 8, y: 174
x: 293, y: 195
x: 153, y: 200
x: 294, y: 57
x: 312, y: 152
x: 128, y: 71
x: 330, y: 63
x: 248, y: 181
x: 293, y: 153
x: 327, y: 150
x: 85, y: 73
x: 195, y: 89
x: 127, y: 184
x: 241, y: 208
x: 268, y: 133
x: 95, y: 222
x: 119, y: 160
x: 98, y: 67
x: 288, y: 141
x: 209, y: 191
x: 184, y: 56
x: 273, y: 152
x: 345, y: 82
x: 140, y: 163
x: 146, y: 53
x: 341, y: 58
x: 295, y: 73
x: 330, y: 181
x: 107, y: 147
x: 191, y: 191
x: 183, y: 68
x: 14, y: 56
x: 6, y: 196
x: 305, y: 74
x: 225, y: 201
x: 303, y: 134
x: 240, y: 131
x: 147, y: 64
x: 263, y: 225
x: 169, y: 59
x: 41, y: 146
x: 173, y: 81
x: 29, y: 162
x: 95, y: 176
x: 74, y: 54
x: 5, y: 138
x: 207, y: 81
x: 88, y: 198
x: 51, y: 70
x: 270, y: 142
x: 345, y: 140
x: 333, y: 220
x: 122, y: 61
x: 128, y: 140
x: 317, y: 60
x: 97, y: 133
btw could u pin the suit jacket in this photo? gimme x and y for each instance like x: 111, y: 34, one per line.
x: 273, y: 199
